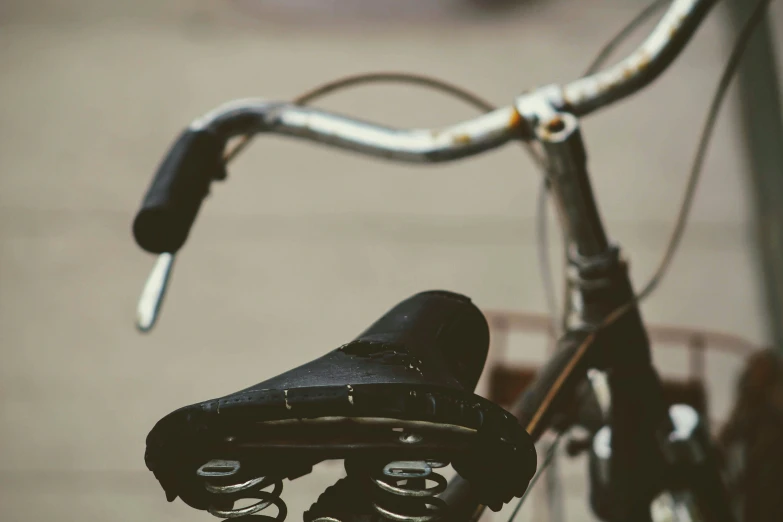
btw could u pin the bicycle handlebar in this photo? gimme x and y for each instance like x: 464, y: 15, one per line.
x: 518, y: 121
x: 175, y: 195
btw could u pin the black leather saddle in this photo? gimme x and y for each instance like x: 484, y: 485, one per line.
x: 402, y: 390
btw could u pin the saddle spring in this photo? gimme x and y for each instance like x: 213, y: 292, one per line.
x: 222, y: 477
x: 402, y: 493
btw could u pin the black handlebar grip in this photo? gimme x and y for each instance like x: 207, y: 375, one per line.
x: 174, y: 197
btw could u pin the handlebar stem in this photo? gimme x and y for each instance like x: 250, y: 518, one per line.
x: 567, y: 170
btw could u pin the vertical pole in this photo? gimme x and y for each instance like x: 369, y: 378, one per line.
x: 762, y: 125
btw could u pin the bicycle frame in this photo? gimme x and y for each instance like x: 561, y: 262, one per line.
x: 649, y: 442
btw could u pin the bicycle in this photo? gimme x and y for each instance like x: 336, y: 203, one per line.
x: 397, y: 403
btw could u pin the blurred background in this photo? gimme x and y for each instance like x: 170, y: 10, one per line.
x: 305, y: 246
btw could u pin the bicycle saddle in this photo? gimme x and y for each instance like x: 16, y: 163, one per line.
x: 402, y: 390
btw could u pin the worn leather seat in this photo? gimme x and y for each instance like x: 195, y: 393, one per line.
x: 415, y: 367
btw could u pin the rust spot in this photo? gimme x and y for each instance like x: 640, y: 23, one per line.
x: 461, y: 139
x: 644, y: 61
x: 628, y: 73
x: 556, y: 124
x: 676, y: 26
x: 515, y: 120
x: 553, y: 126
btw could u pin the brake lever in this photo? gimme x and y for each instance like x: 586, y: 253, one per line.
x: 151, y: 300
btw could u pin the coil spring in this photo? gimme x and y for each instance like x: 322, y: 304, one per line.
x: 219, y: 477
x: 412, y: 501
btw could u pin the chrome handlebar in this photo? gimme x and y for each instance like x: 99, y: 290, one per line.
x: 486, y: 132
x: 472, y: 137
